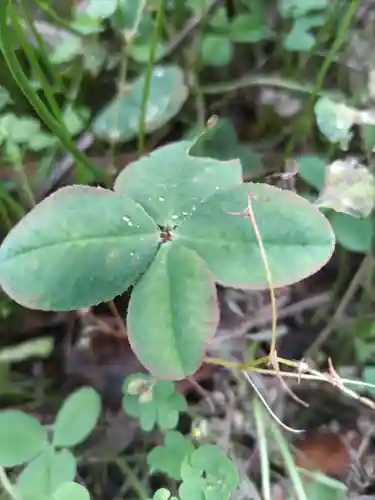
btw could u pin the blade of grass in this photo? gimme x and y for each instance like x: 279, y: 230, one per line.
x: 30, y: 54
x: 288, y: 461
x: 40, y: 44
x: 23, y: 83
x: 263, y: 449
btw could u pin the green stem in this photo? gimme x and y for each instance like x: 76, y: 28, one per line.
x: 23, y: 82
x: 146, y: 88
x: 259, y: 418
x: 261, y: 80
x: 288, y: 461
x: 135, y: 482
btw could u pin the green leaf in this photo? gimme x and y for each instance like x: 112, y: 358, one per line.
x: 140, y: 52
x: 208, y: 475
x: 5, y: 98
x: 163, y: 494
x: 297, y: 238
x: 71, y: 491
x: 216, y: 50
x: 369, y: 377
x: 335, y: 120
x: 42, y: 141
x: 312, y: 169
x: 18, y: 130
x: 297, y: 8
x: 177, y: 294
x: 119, y: 120
x: 349, y: 187
x: 219, y: 20
x: 86, y: 25
x: 169, y: 457
x: 100, y: 9
x: 67, y: 50
x: 75, y: 120
x: 127, y: 16
x: 170, y: 183
x: 249, y: 28
x: 368, y: 137
x: 79, y: 247
x: 152, y: 402
x: 299, y: 39
x: 22, y: 437
x: 352, y: 233
x: 219, y: 141
x: 77, y: 417
x: 46, y: 473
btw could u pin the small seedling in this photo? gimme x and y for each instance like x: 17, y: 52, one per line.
x: 153, y: 402
x: 49, y: 465
x: 208, y: 474
x: 169, y: 457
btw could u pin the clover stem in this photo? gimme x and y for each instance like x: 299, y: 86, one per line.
x: 250, y: 213
x: 235, y: 364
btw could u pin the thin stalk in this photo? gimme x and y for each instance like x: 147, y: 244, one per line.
x: 135, y: 482
x: 260, y: 80
x: 235, y: 365
x: 262, y: 250
x: 146, y: 88
x: 263, y: 449
x: 288, y: 461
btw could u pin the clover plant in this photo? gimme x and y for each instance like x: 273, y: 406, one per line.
x: 152, y: 402
x: 49, y: 466
x: 202, y: 472
x: 169, y: 230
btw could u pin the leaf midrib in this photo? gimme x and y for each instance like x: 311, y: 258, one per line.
x: 69, y: 242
